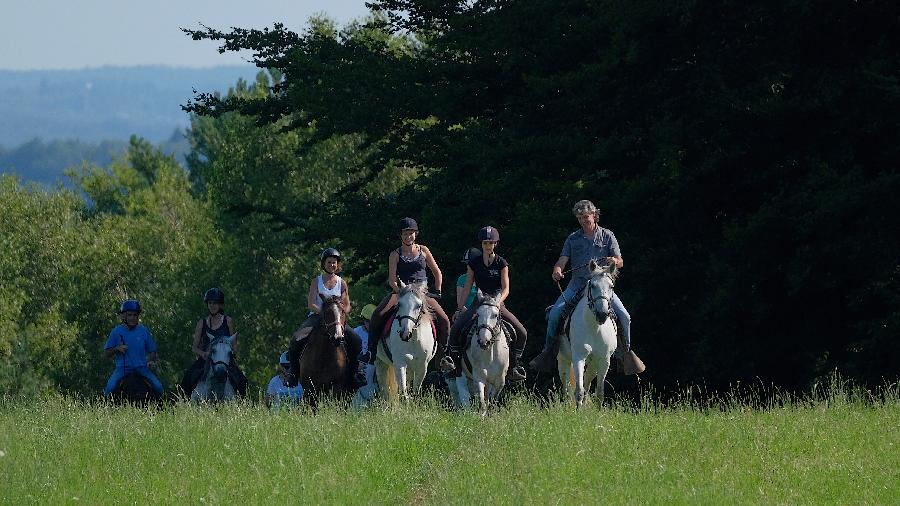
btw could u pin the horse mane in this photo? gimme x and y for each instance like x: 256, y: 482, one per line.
x: 608, y: 268
x: 420, y: 290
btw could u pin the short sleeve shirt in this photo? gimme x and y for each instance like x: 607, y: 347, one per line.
x: 473, y: 292
x: 581, y: 249
x: 282, y: 392
x: 139, y: 341
x: 363, y: 336
x: 487, y: 277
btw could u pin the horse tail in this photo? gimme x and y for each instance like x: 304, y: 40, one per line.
x: 391, y: 382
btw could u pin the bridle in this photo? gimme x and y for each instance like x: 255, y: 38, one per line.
x: 494, y: 330
x: 330, y: 328
x: 591, y: 300
x: 414, y: 319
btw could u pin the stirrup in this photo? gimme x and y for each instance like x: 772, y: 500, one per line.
x: 447, y: 364
x: 517, y: 373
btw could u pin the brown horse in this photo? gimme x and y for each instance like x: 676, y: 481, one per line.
x: 323, y: 366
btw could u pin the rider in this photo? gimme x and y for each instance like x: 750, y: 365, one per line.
x: 279, y: 390
x: 133, y: 347
x: 215, y: 324
x: 591, y: 242
x: 363, y: 332
x: 491, y: 272
x: 461, y: 283
x: 407, y: 264
x: 329, y: 284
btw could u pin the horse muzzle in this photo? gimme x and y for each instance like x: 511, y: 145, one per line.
x: 220, y: 372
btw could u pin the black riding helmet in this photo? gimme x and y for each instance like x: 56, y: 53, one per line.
x: 214, y: 294
x: 489, y: 234
x: 470, y: 253
x: 408, y: 224
x: 326, y: 254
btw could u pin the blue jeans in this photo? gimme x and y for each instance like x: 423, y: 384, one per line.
x: 120, y: 373
x: 567, y: 302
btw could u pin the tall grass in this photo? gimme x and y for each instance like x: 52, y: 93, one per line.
x: 835, y: 446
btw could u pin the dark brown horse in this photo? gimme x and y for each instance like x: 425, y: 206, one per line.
x: 322, y: 366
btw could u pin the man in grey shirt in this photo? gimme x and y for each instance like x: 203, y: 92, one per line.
x: 591, y: 242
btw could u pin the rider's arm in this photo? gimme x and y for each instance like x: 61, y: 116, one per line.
x: 111, y: 352
x: 504, y: 284
x: 461, y: 296
x: 312, y: 297
x: 195, y: 347
x: 435, y: 270
x: 234, y: 342
x: 152, y: 357
x: 345, y: 297
x: 392, y: 271
x: 616, y: 260
x: 557, y: 274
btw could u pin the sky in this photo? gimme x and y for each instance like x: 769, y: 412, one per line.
x: 66, y: 34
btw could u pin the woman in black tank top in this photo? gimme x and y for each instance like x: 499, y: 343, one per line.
x: 407, y: 263
x: 215, y: 324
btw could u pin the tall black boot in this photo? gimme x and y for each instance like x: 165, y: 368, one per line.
x: 516, y: 372
x: 546, y: 360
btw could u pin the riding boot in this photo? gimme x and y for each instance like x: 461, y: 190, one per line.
x: 451, y: 361
x: 546, y: 360
x: 516, y: 371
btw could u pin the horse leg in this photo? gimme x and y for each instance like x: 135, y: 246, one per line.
x: 579, y: 381
x: 602, y: 371
x: 482, y: 398
x: 400, y: 375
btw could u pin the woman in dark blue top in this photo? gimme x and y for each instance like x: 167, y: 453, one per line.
x: 490, y: 272
x: 407, y: 264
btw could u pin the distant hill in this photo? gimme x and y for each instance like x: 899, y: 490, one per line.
x: 52, y: 119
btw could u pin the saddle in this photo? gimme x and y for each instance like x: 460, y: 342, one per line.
x: 628, y: 363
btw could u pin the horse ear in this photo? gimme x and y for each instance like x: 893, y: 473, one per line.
x: 401, y: 284
x: 592, y: 265
x: 479, y: 297
x: 210, y: 336
x: 324, y: 299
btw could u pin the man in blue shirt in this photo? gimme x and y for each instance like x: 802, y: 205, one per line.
x: 591, y: 242
x: 133, y: 348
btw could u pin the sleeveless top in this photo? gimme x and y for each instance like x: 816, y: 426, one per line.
x: 223, y: 330
x: 411, y: 270
x: 329, y: 292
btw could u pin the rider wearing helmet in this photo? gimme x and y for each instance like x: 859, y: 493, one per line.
x: 328, y: 284
x: 133, y: 347
x: 461, y: 283
x: 590, y: 242
x: 407, y: 264
x: 279, y: 391
x: 363, y: 332
x: 214, y: 324
x: 491, y: 272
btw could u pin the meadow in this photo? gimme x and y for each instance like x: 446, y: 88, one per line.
x: 840, y: 447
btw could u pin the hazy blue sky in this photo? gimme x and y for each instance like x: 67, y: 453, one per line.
x: 66, y: 34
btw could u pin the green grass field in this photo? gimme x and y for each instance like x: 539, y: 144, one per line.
x: 838, y: 449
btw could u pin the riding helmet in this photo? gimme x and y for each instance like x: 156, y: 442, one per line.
x: 130, y: 305
x: 488, y: 234
x: 408, y: 224
x: 470, y: 253
x: 284, y: 359
x: 214, y: 294
x: 330, y: 252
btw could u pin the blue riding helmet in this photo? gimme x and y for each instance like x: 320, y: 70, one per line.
x: 284, y: 359
x: 130, y: 305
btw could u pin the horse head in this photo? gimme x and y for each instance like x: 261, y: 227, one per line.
x: 600, y: 288
x: 410, y: 308
x: 332, y: 316
x: 220, y: 356
x: 487, y: 325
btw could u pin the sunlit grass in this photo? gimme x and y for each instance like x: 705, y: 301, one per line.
x: 838, y: 446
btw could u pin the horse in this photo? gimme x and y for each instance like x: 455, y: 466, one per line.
x: 135, y: 389
x: 404, y: 353
x: 484, y: 373
x: 323, y: 368
x: 586, y: 353
x: 215, y: 384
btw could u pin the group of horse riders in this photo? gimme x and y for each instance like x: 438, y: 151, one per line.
x: 134, y: 350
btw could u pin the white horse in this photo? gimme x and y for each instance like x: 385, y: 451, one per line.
x: 488, y: 356
x: 585, y: 355
x: 215, y: 384
x: 404, y: 354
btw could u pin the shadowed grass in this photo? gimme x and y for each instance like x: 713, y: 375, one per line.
x: 837, y: 447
